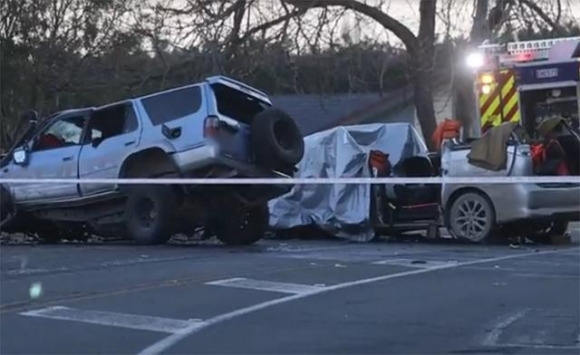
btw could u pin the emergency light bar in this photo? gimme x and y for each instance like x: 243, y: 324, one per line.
x: 523, y: 51
x: 542, y: 45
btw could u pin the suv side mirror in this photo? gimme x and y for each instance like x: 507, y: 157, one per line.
x: 20, y: 156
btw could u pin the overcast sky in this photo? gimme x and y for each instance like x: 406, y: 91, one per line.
x: 407, y: 12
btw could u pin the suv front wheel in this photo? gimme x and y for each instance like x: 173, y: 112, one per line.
x: 242, y: 224
x: 150, y: 213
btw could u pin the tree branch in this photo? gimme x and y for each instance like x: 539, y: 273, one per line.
x: 388, y: 22
x: 536, y: 9
x: 272, y: 23
x: 479, y: 27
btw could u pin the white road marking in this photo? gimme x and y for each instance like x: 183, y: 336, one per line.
x: 173, y: 339
x: 112, y: 319
x: 532, y: 346
x: 547, y: 276
x: 415, y: 263
x: 501, y: 324
x: 29, y: 271
x: 261, y: 285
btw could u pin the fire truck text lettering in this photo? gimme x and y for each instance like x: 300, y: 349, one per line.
x: 547, y: 73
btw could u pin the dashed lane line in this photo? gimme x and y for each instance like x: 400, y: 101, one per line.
x: 260, y: 285
x: 415, y: 263
x: 113, y: 319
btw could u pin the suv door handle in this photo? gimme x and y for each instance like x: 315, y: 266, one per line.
x: 67, y: 158
x: 129, y: 143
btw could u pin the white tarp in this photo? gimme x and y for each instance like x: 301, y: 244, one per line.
x: 342, y: 210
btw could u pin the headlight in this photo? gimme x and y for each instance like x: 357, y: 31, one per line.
x: 474, y: 60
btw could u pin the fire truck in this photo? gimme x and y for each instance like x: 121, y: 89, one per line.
x: 527, y: 81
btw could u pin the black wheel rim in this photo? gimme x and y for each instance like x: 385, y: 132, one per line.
x: 146, y: 212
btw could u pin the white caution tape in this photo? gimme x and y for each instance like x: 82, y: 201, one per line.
x: 481, y: 180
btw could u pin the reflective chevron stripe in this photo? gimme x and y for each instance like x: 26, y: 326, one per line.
x: 490, y: 104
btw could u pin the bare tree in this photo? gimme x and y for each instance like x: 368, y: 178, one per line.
x: 420, y: 47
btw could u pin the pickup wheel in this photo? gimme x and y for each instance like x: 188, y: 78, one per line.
x: 471, y: 217
x: 150, y: 213
x: 242, y: 225
x: 277, y: 140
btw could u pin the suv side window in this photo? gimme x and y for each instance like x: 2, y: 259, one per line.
x: 172, y: 105
x: 61, y: 133
x: 112, y: 121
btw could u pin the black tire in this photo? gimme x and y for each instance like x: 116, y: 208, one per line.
x: 242, y: 225
x: 6, y: 207
x: 150, y: 213
x: 276, y: 139
x: 475, y: 212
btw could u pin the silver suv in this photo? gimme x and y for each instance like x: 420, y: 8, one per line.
x: 219, y: 128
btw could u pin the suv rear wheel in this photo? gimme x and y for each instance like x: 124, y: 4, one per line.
x: 150, y: 213
x: 242, y: 224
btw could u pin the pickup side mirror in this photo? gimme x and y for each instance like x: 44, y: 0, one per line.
x: 20, y: 156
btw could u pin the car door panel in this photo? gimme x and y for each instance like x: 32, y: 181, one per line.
x: 59, y: 163
x: 104, y: 160
x: 57, y: 160
x: 182, y: 110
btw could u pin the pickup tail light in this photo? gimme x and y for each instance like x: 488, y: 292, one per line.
x: 211, y: 126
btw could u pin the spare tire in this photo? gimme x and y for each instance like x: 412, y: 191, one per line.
x: 276, y: 139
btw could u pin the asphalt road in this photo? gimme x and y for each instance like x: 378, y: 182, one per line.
x: 290, y: 297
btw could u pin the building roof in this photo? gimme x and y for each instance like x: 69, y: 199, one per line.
x: 314, y: 112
